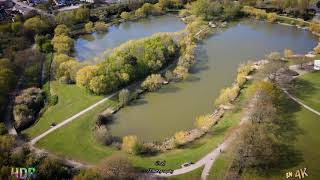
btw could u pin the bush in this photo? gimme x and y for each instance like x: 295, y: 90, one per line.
x: 288, y: 53
x: 53, y: 100
x: 130, y: 144
x: 204, y: 122
x: 102, y: 135
x: 227, y: 95
x: 89, y: 27
x: 124, y: 97
x: 272, y: 17
x: 180, y: 138
x: 274, y: 56
x: 3, y: 129
x: 153, y: 82
x: 27, y: 105
x: 101, y: 26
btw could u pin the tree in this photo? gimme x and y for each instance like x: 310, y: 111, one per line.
x: 82, y: 14
x: 317, y: 49
x: 153, y: 82
x: 89, y: 27
x: 101, y: 26
x: 124, y: 97
x: 272, y: 17
x: 206, y: 9
x: 98, y: 85
x: 288, y: 53
x: 227, y: 95
x: 27, y: 104
x: 36, y: 24
x: 67, y: 70
x: 130, y: 144
x: 274, y: 56
x: 125, y: 15
x: 204, y: 122
x: 116, y: 167
x: 87, y: 174
x: 102, y: 135
x: 51, y: 169
x: 180, y: 138
x: 62, y: 29
x: 85, y: 74
x: 62, y: 44
x: 7, y: 76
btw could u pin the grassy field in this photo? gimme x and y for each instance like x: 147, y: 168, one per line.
x: 72, y: 100
x: 307, y: 89
x: 193, y: 175
x: 307, y: 144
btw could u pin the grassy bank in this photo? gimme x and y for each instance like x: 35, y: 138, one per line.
x: 72, y: 100
x: 193, y: 175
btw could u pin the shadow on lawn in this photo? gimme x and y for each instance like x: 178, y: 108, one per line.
x: 302, y: 88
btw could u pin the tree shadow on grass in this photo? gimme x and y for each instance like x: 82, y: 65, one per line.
x: 288, y: 157
x: 302, y: 88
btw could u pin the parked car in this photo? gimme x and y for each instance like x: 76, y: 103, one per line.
x: 187, y: 164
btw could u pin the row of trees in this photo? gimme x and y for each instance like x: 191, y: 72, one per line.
x: 152, y: 9
x: 265, y: 141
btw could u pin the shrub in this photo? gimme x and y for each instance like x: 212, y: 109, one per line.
x: 317, y: 49
x: 180, y: 138
x: 274, y: 56
x: 3, y: 129
x: 85, y: 74
x: 288, y: 53
x: 101, y: 26
x: 27, y: 104
x: 125, y: 15
x: 89, y: 27
x: 272, y: 17
x: 53, y: 100
x: 227, y: 95
x: 130, y: 144
x: 102, y: 135
x: 124, y: 97
x: 153, y: 82
x: 204, y: 122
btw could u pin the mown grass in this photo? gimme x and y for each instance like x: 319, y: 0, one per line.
x: 72, y: 100
x: 76, y: 140
x: 307, y: 89
x: 305, y: 147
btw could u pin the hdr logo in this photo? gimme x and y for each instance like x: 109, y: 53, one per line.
x: 23, y: 173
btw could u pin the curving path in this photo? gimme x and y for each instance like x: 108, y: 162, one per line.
x: 36, y: 139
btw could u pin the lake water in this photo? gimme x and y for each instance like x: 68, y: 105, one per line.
x: 93, y: 45
x: 175, y: 107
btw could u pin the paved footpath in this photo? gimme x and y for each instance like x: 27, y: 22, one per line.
x: 36, y: 139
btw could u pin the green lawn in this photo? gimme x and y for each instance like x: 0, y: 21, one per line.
x: 193, y: 175
x: 72, y: 100
x: 307, y: 145
x: 307, y: 89
x: 221, y: 166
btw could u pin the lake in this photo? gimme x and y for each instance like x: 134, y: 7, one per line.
x: 93, y: 45
x: 175, y: 107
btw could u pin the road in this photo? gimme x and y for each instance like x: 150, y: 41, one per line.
x: 32, y: 8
